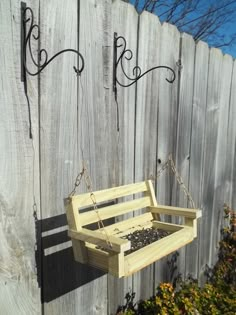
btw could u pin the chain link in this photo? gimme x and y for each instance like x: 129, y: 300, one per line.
x: 77, y: 182
x: 170, y: 164
x: 94, y: 201
x: 84, y: 173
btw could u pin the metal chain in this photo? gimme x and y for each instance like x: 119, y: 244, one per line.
x: 181, y: 183
x: 170, y: 163
x: 93, y: 198
x: 162, y: 169
x: 77, y: 182
x: 89, y: 186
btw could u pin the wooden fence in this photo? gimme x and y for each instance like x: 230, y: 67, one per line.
x: 76, y: 117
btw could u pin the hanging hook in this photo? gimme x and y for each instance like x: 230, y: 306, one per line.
x: 127, y: 54
x: 33, y: 32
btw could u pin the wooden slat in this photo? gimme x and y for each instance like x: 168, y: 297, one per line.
x: 185, y: 212
x: 197, y: 145
x: 213, y: 108
x: 116, y: 265
x: 113, y: 211
x: 221, y: 160
x: 96, y: 126
x: 104, y: 240
x: 98, y: 259
x: 19, y: 172
x: 146, y: 121
x: 167, y: 122
x: 231, y: 146
x: 167, y: 226
x: 125, y: 23
x: 183, y: 135
x: 132, y: 229
x: 119, y: 227
x: 58, y: 145
x: 108, y: 194
x: 157, y: 250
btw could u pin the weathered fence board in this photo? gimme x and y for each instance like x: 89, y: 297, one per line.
x: 58, y: 152
x: 209, y: 215
x: 231, y: 146
x: 97, y: 121
x: 19, y: 185
x: 167, y: 121
x: 146, y: 122
x: 183, y: 135
x: 124, y: 23
x: 197, y: 145
x: 220, y: 154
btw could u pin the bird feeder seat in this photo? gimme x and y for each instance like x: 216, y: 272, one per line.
x: 105, y: 248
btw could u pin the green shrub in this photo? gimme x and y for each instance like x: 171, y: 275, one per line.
x: 216, y: 297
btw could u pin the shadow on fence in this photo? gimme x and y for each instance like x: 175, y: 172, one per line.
x: 57, y: 271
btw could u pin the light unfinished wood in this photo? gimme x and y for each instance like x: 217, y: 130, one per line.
x: 175, y: 211
x: 98, y: 258
x: 116, y: 265
x: 109, y: 238
x: 108, y: 194
x: 193, y: 224
x: 80, y: 251
x: 113, y: 211
x: 170, y: 227
x: 157, y: 250
x: 138, y: 221
x: 72, y: 215
x: 97, y: 238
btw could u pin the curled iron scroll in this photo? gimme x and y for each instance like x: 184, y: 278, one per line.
x: 30, y: 31
x: 127, y: 54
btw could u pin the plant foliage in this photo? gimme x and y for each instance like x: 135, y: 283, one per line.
x: 216, y: 297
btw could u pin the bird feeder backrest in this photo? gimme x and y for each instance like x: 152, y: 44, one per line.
x: 77, y: 218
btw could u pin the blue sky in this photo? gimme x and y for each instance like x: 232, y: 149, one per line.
x: 226, y: 30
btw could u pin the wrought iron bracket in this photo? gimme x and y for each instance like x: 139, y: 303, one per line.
x: 30, y: 31
x: 127, y: 54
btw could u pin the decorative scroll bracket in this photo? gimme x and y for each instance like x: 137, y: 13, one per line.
x: 120, y: 42
x: 33, y: 32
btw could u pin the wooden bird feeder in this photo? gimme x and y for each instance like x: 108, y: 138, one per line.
x: 105, y: 248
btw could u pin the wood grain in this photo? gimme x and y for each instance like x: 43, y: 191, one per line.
x: 230, y: 196
x: 146, y: 121
x: 167, y: 123
x: 210, y: 215
x: 125, y: 23
x: 19, y: 172
x: 221, y: 159
x: 184, y: 129
x: 197, y: 146
x: 58, y: 145
x: 97, y: 121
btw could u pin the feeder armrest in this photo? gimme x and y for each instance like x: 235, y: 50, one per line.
x: 110, y: 242
x: 182, y: 212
